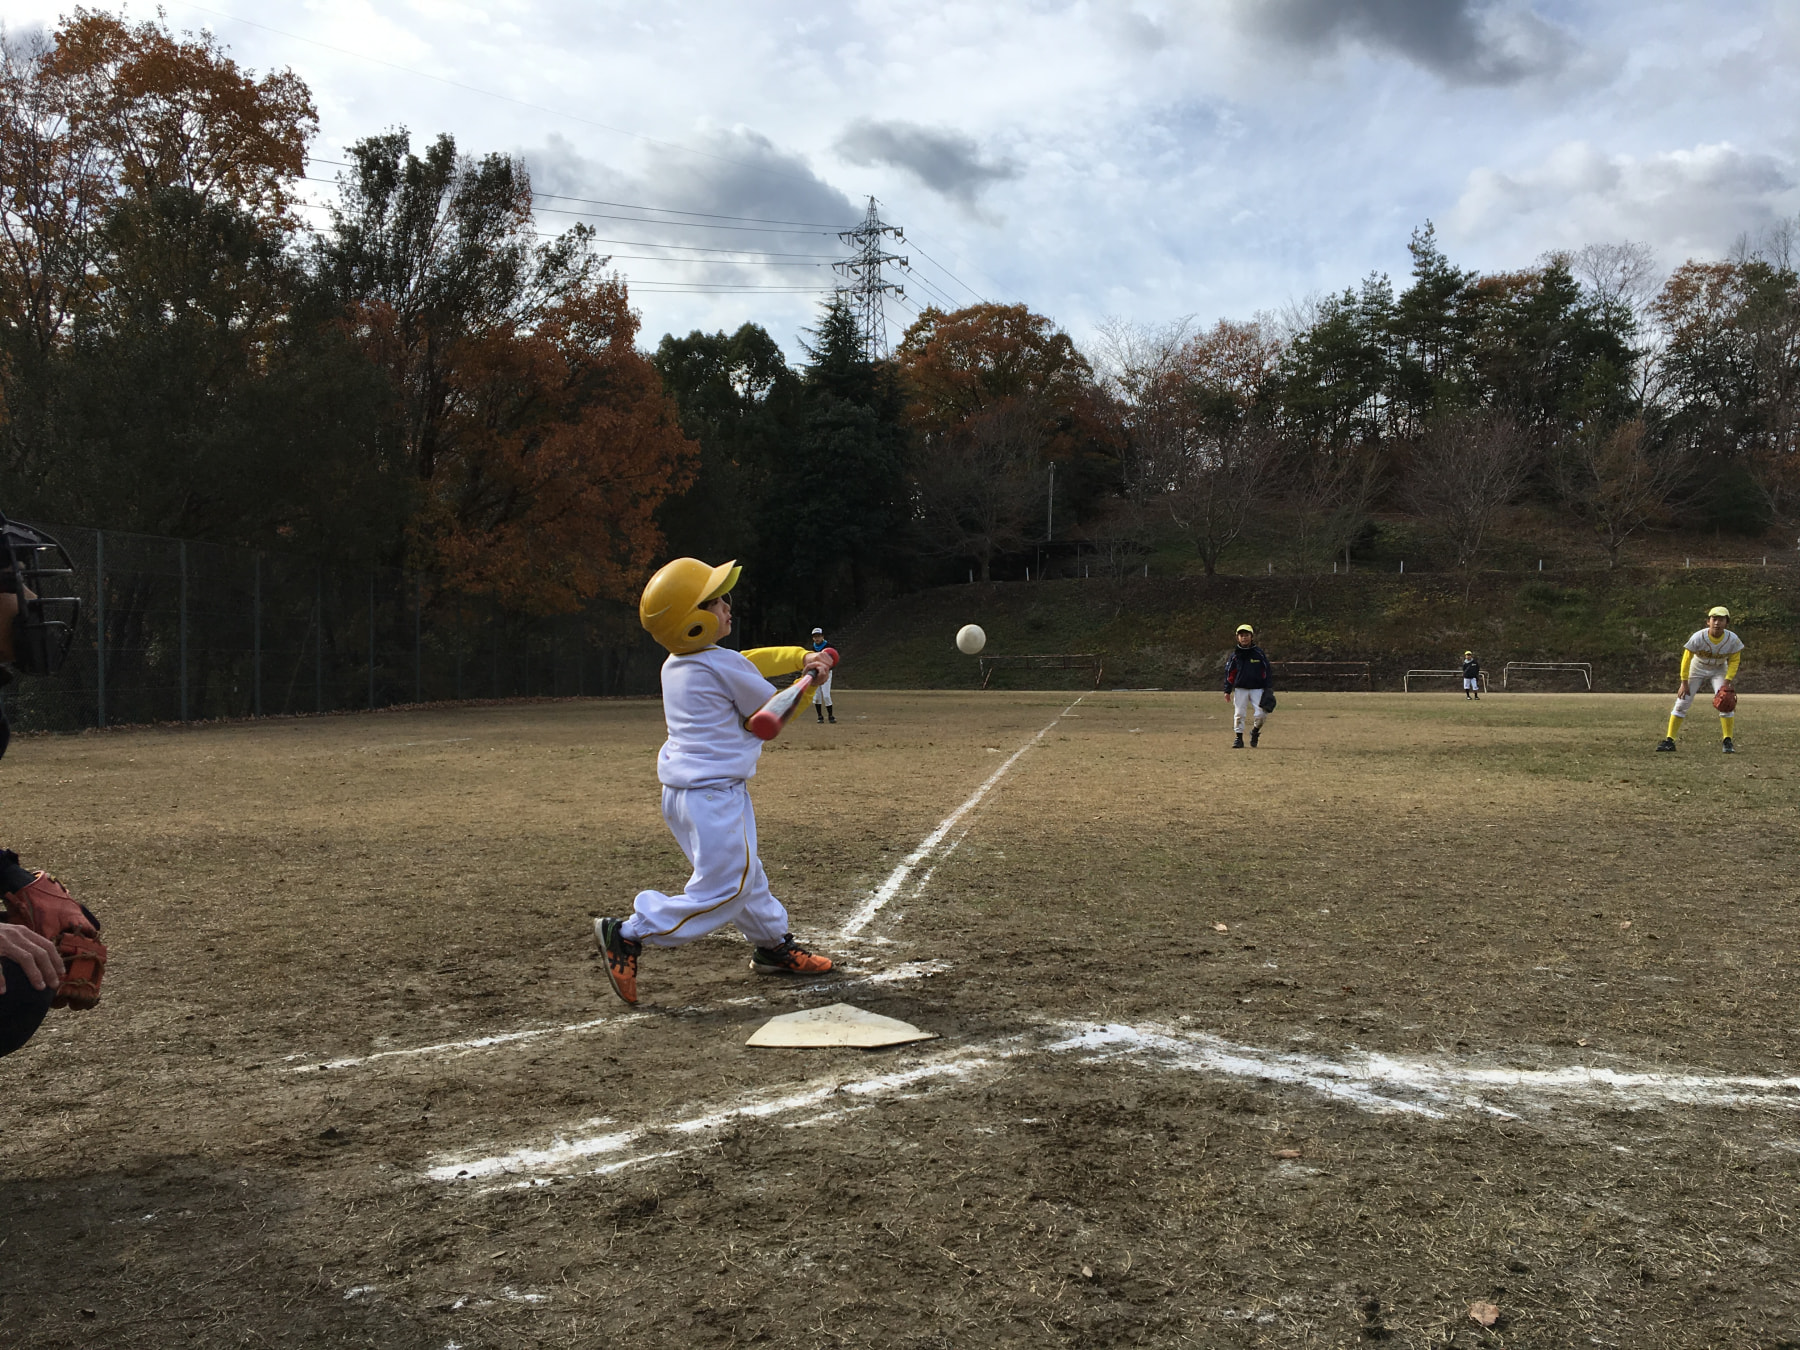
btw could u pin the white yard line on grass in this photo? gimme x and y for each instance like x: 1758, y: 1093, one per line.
x: 866, y: 912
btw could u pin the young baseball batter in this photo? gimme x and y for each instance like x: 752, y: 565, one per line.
x: 1711, y: 656
x: 1471, y: 676
x: 709, y: 692
x: 1247, y: 674
x: 822, y: 695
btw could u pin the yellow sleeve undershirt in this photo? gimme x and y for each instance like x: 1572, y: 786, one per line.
x: 1687, y: 662
x: 1732, y: 665
x: 776, y: 660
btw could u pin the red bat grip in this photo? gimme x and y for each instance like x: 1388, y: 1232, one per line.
x: 767, y: 721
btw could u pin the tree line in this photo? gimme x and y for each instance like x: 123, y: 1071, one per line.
x: 419, y: 379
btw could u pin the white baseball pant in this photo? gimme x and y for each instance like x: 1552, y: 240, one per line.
x: 822, y: 695
x: 1242, y: 699
x: 1474, y: 684
x: 716, y: 828
x: 1697, y: 677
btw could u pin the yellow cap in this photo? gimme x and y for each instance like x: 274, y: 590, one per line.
x: 1245, y: 628
x: 670, y: 608
x: 1468, y: 653
x: 1718, y: 612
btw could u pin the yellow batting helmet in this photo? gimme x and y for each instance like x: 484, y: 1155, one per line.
x: 670, y: 608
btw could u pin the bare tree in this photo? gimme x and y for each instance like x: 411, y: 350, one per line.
x: 1618, y: 482
x: 1465, y: 469
x: 1327, y: 492
x: 979, y: 487
x: 1214, y: 483
x: 1198, y: 452
x: 1622, y: 275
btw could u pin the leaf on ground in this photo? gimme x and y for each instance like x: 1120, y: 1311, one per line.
x: 1087, y: 1272
x: 1287, y: 1153
x: 1220, y: 928
x: 1485, y: 1313
x: 1625, y: 925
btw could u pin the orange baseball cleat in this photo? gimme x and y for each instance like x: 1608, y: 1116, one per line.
x: 621, y: 955
x: 790, y: 958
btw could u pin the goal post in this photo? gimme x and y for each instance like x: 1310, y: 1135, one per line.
x: 1321, y: 672
x: 1093, y: 661
x: 1411, y: 675
x: 1585, y: 669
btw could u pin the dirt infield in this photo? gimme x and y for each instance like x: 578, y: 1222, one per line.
x: 1423, y: 1004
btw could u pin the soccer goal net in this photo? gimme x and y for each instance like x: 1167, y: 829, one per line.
x: 1513, y: 670
x: 1406, y: 680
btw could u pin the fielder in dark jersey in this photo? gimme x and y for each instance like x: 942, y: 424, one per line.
x: 1248, y: 676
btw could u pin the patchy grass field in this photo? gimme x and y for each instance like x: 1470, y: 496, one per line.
x: 1421, y: 1005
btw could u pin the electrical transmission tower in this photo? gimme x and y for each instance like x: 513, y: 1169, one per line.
x: 864, y: 286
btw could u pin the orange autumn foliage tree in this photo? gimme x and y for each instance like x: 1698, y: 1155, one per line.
x: 106, y: 113
x: 539, y: 441
x: 564, y: 444
x: 995, y: 394
x: 178, y: 112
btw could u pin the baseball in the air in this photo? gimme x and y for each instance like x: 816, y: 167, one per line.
x: 970, y: 639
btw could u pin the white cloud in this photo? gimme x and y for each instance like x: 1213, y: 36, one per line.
x: 1152, y: 158
x: 1694, y: 201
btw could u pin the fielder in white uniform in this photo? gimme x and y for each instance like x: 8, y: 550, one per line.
x: 705, y: 765
x: 1709, y: 657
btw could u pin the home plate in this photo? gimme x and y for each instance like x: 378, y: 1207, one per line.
x: 839, y: 1024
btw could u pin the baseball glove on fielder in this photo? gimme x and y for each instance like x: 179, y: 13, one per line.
x: 1726, y: 701
x: 49, y: 910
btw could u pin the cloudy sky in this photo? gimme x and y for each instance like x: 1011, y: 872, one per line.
x: 1150, y: 161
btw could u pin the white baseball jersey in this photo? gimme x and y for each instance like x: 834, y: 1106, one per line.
x: 706, y: 697
x: 1713, y: 656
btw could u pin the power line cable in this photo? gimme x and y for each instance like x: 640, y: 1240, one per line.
x: 775, y: 228
x: 745, y: 254
x: 935, y: 292
x: 946, y: 271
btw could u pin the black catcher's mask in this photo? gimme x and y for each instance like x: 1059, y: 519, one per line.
x: 32, y: 563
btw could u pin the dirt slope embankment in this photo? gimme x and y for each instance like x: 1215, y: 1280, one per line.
x: 1174, y: 633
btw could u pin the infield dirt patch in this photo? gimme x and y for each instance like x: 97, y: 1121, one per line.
x: 1420, y: 1005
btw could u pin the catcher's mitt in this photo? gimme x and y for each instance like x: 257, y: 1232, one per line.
x: 49, y: 910
x: 1267, y: 701
x: 1726, y: 701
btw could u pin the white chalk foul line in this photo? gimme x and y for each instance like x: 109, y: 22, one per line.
x: 464, y: 1047
x: 568, y: 1154
x: 1426, y: 1087
x: 908, y: 970
x: 1379, y: 1084
x: 866, y: 912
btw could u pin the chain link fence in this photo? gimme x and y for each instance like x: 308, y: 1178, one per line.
x: 176, y: 630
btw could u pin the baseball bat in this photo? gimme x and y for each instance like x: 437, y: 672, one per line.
x: 767, y: 721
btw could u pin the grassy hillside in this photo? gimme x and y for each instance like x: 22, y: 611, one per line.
x: 1174, y: 633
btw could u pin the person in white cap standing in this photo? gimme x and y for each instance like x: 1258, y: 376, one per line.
x: 822, y: 695
x: 1710, y: 656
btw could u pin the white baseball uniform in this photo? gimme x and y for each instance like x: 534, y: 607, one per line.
x: 1247, y: 699
x: 705, y: 766
x: 1709, y: 663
